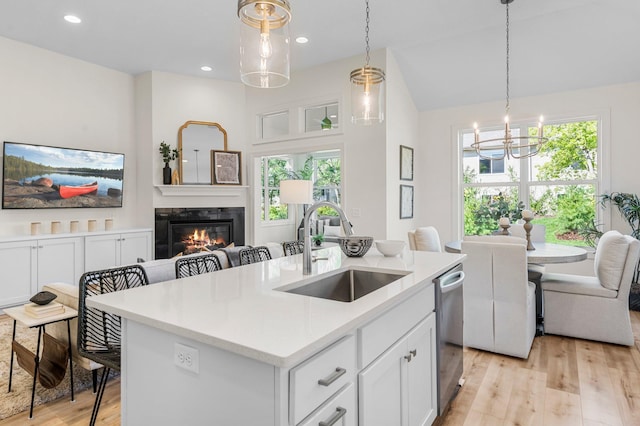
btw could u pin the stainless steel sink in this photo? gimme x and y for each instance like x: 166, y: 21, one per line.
x: 348, y: 285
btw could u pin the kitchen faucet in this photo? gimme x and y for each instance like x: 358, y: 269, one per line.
x: 306, y: 253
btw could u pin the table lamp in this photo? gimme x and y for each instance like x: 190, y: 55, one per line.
x: 296, y: 191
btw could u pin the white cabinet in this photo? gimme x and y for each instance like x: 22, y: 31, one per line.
x: 399, y: 387
x: 29, y: 265
x: 115, y: 249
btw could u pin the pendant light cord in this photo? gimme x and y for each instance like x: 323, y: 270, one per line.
x: 366, y: 31
x: 507, y: 30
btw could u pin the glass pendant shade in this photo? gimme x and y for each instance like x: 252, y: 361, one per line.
x: 264, y: 42
x: 367, y: 95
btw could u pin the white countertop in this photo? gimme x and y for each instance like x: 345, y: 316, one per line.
x: 238, y: 310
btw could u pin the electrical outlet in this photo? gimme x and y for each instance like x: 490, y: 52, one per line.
x: 186, y: 357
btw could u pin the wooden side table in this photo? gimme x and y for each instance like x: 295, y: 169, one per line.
x: 18, y: 314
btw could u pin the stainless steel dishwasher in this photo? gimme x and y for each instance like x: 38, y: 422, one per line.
x: 449, y: 311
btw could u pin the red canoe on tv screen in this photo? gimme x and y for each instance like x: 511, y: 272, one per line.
x: 72, y: 191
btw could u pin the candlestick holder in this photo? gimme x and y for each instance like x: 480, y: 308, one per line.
x: 527, y: 228
x: 505, y: 230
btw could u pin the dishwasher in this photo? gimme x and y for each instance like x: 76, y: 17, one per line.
x: 449, y: 316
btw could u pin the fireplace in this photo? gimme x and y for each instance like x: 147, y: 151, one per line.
x: 191, y: 230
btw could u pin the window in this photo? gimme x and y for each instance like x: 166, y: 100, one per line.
x: 322, y: 167
x: 274, y: 125
x: 559, y: 184
x: 323, y: 117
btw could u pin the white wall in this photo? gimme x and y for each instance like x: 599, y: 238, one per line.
x: 370, y: 153
x: 402, y: 129
x: 165, y: 102
x: 51, y: 99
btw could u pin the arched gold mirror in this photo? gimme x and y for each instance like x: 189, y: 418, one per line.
x: 196, y: 139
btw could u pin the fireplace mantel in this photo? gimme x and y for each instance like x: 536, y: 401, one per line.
x: 197, y: 190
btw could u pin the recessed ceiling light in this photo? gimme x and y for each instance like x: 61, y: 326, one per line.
x: 206, y: 68
x: 72, y: 19
x: 302, y: 40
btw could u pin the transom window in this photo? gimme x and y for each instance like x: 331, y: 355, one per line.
x: 559, y: 184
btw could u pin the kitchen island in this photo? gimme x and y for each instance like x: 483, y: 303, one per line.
x: 232, y: 348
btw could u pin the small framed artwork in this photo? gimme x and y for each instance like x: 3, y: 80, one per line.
x: 406, y: 163
x: 406, y: 201
x: 226, y: 167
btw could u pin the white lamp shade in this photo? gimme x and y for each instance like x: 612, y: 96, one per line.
x: 296, y: 191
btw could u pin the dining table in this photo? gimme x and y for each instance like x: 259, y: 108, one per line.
x: 543, y: 253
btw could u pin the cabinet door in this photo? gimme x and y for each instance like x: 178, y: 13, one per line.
x: 421, y: 373
x: 18, y: 266
x: 134, y: 246
x: 101, y: 252
x: 60, y: 260
x: 382, y: 389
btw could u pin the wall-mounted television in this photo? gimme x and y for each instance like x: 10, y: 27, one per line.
x: 45, y: 177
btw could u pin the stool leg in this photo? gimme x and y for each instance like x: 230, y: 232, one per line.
x: 96, y: 404
x: 13, y: 337
x: 70, y: 360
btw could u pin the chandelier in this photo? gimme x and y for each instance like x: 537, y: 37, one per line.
x: 367, y: 89
x: 509, y: 146
x: 264, y: 42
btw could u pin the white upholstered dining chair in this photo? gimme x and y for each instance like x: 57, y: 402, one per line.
x: 425, y: 239
x: 595, y: 308
x: 499, y: 301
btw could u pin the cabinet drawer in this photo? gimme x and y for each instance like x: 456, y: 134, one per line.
x: 334, y: 367
x: 341, y: 408
x: 376, y: 336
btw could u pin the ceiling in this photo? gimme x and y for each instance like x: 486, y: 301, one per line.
x: 450, y: 52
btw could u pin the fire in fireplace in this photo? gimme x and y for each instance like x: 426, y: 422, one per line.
x: 191, y: 230
x: 189, y: 238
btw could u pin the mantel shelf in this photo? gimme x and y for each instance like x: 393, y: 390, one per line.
x: 199, y: 190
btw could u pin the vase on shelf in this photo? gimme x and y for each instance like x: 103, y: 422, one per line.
x: 166, y: 174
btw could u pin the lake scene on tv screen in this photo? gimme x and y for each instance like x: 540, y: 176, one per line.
x: 38, y: 176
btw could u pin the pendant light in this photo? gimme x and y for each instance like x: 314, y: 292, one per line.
x: 507, y: 145
x: 367, y: 89
x: 325, y: 124
x: 264, y: 42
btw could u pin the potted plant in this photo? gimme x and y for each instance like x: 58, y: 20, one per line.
x: 168, y: 155
x: 318, y: 239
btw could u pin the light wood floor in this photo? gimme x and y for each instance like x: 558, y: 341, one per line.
x: 564, y: 382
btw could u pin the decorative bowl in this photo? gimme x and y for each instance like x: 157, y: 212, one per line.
x: 43, y: 297
x: 390, y: 248
x: 355, y: 246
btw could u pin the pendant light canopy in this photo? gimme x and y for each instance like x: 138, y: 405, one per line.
x: 367, y: 89
x: 264, y: 42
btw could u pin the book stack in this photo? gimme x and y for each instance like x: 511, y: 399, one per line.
x: 43, y: 311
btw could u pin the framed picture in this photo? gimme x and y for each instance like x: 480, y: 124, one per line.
x: 226, y: 166
x: 406, y: 163
x: 406, y: 201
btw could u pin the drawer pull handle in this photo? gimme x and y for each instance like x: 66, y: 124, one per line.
x: 408, y: 357
x: 333, y: 377
x: 414, y: 353
x: 340, y: 412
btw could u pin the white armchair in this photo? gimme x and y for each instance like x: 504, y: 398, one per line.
x: 425, y: 239
x: 499, y: 301
x: 595, y: 308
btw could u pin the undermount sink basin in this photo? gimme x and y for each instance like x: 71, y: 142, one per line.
x: 347, y: 285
